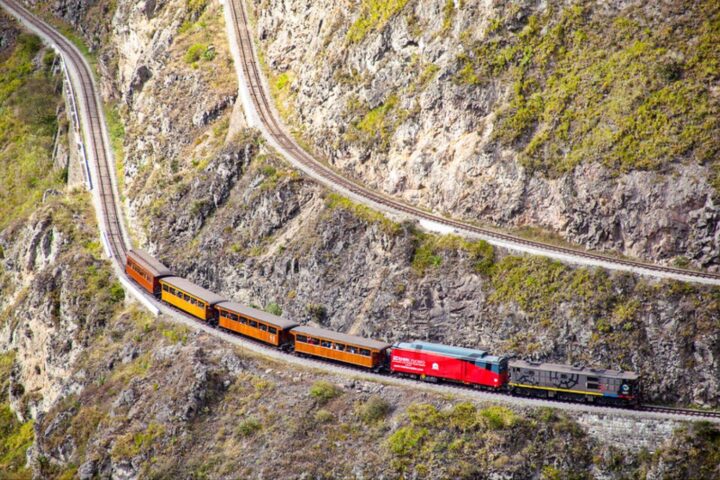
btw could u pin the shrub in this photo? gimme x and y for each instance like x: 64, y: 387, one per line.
x: 424, y: 415
x: 463, y: 416
x: 316, y: 311
x: 374, y: 409
x: 496, y: 417
x: 195, y: 52
x: 248, y: 427
x: 273, y: 308
x: 406, y: 440
x: 323, y: 416
x: 323, y: 392
x: 117, y: 294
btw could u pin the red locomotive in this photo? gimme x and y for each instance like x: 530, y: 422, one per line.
x: 433, y: 361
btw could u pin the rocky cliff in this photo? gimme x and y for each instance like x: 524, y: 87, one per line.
x: 594, y: 121
x: 116, y: 394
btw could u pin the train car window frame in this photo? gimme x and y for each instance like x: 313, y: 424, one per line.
x: 301, y: 338
x: 253, y: 324
x: 340, y: 347
x: 365, y: 352
x: 272, y: 330
x: 325, y: 343
x: 262, y: 327
x: 165, y: 287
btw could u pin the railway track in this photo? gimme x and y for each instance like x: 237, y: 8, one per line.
x: 297, y: 155
x: 93, y: 127
x: 112, y: 228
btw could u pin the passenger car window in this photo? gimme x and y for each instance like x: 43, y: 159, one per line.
x: 364, y: 352
x: 272, y: 330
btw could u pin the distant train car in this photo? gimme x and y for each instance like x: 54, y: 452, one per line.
x: 189, y: 297
x: 563, y: 382
x: 434, y: 361
x: 255, y: 323
x: 145, y: 270
x: 344, y: 348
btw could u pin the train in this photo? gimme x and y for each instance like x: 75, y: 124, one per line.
x: 430, y: 362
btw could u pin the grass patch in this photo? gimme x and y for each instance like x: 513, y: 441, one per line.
x: 373, y: 409
x: 15, y: 439
x: 588, y: 87
x: 248, y: 427
x: 428, y: 249
x: 374, y: 15
x: 375, y: 128
x: 323, y: 392
x: 336, y: 201
x: 28, y: 102
x: 273, y: 308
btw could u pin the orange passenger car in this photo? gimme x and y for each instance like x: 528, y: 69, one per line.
x: 339, y: 346
x: 254, y: 323
x: 189, y: 297
x: 145, y: 270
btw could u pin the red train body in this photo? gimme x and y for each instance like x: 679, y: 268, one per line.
x: 464, y: 365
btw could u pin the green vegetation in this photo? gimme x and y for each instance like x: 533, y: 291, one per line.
x: 498, y: 418
x: 248, y: 427
x: 374, y: 15
x: 273, y: 308
x: 324, y: 416
x: 589, y: 89
x: 15, y: 437
x: 130, y: 445
x: 116, y: 131
x: 323, y: 392
x: 336, y: 201
x: 539, y: 285
x: 197, y: 52
x: 28, y: 102
x: 455, y: 433
x: 375, y: 128
x: 448, y: 15
x: 373, y: 410
x: 428, y: 248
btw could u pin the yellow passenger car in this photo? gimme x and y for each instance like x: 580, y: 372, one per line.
x: 189, y: 297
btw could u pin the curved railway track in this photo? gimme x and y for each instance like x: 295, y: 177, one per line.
x: 93, y: 123
x: 96, y: 140
x: 297, y: 155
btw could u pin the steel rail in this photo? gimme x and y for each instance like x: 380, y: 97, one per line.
x: 92, y: 120
x: 321, y: 171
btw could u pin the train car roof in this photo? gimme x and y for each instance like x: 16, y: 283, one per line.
x: 557, y: 367
x: 197, y: 291
x: 341, y: 337
x: 269, y: 318
x: 149, y: 263
x: 455, y: 352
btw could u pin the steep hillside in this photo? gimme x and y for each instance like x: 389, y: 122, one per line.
x: 220, y: 208
x: 109, y: 392
x: 594, y: 121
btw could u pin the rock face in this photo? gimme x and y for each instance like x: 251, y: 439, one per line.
x: 414, y: 101
x: 227, y: 214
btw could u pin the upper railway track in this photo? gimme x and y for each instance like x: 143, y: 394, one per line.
x: 113, y: 230
x: 252, y: 79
